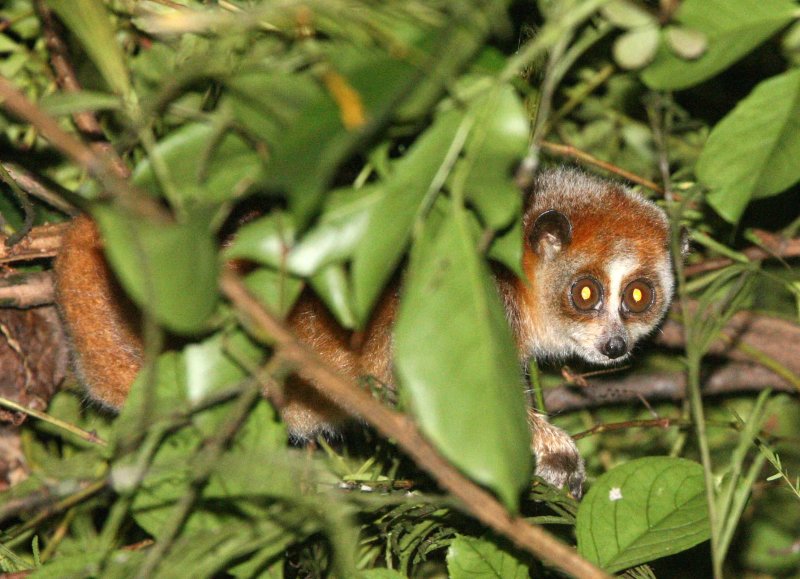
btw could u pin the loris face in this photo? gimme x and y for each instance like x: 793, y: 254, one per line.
x: 598, y: 266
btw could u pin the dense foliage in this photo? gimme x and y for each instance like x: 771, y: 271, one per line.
x: 372, y: 136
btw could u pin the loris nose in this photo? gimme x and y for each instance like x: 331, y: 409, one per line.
x: 615, y: 347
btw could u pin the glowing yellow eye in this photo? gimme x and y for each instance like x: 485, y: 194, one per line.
x: 638, y: 296
x: 586, y: 294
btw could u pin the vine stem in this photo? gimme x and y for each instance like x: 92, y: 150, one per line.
x: 71, y: 428
x: 400, y: 428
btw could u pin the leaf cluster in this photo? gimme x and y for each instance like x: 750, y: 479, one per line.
x: 369, y: 138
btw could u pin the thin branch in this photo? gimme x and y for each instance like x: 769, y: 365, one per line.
x: 67, y: 79
x: 570, y: 151
x: 775, y: 248
x: 42, y: 242
x: 27, y: 290
x: 96, y: 164
x: 58, y: 423
x: 400, y: 428
x: 34, y: 186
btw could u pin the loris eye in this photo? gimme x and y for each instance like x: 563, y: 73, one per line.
x: 638, y: 296
x: 586, y: 294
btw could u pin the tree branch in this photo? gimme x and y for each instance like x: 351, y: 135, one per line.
x: 400, y: 428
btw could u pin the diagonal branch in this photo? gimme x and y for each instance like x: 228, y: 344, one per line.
x: 397, y: 426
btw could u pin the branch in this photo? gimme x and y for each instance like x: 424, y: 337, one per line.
x: 776, y: 247
x: 570, y: 151
x: 396, y: 426
x: 68, y: 81
x: 98, y: 165
x: 33, y: 186
x: 27, y: 290
x: 42, y: 242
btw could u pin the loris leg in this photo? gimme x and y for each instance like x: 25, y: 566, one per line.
x: 557, y: 458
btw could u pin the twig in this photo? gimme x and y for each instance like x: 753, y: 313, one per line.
x: 71, y: 428
x: 67, y: 79
x: 400, y: 428
x: 570, y: 151
x: 42, y: 242
x: 781, y: 249
x: 96, y: 164
x: 27, y: 290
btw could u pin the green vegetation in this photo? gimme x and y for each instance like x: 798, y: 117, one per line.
x: 375, y: 134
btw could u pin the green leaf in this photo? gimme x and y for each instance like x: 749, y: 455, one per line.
x: 627, y: 14
x: 450, y: 305
x: 636, y: 48
x: 277, y: 290
x: 473, y: 558
x: 416, y: 177
x: 331, y: 284
x: 496, y: 144
x: 67, y: 103
x: 207, y: 165
x: 752, y: 152
x: 732, y: 27
x: 89, y: 21
x: 686, y: 43
x: 642, y: 510
x: 170, y: 270
x: 314, y: 122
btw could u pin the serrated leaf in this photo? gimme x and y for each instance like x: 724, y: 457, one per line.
x: 204, y: 164
x: 752, y: 152
x: 636, y: 48
x: 643, y: 510
x: 450, y: 305
x: 733, y: 28
x: 170, y: 270
x: 473, y: 558
x: 89, y: 21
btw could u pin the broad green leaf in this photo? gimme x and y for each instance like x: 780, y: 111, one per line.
x: 642, y: 510
x: 267, y: 240
x: 496, y: 144
x: 277, y: 290
x: 89, y: 21
x: 331, y: 284
x: 415, y: 178
x: 473, y: 558
x: 457, y: 364
x: 271, y: 240
x: 204, y: 164
x: 170, y: 270
x: 752, y: 153
x: 312, y: 123
x: 732, y: 28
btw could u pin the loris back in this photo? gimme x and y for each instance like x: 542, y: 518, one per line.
x: 598, y: 278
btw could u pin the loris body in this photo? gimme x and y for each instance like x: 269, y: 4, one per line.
x: 598, y: 278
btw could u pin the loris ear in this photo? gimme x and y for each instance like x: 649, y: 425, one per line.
x: 551, y: 233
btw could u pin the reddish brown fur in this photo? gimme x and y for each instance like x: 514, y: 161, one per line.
x: 98, y: 320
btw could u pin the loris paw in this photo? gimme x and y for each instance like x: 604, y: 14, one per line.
x: 557, y: 458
